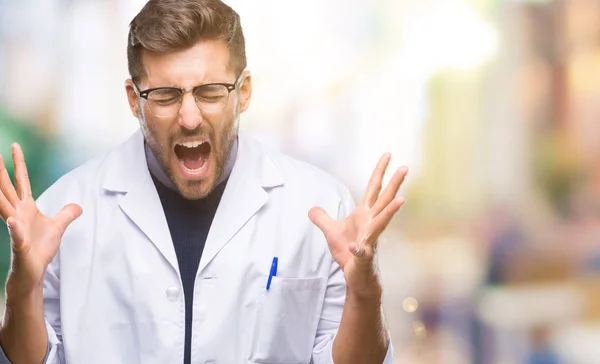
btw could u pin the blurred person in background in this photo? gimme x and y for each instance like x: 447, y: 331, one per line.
x: 542, y: 351
x: 196, y: 242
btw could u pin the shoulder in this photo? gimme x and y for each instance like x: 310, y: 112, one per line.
x: 303, y: 179
x: 71, y: 188
x: 79, y: 185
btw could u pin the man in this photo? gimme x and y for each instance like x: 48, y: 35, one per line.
x: 196, y: 243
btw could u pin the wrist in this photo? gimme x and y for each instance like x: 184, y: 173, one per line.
x: 364, y: 280
x: 371, y: 294
x: 20, y: 287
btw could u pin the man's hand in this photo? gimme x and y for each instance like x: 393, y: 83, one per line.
x: 34, y: 237
x: 353, y: 240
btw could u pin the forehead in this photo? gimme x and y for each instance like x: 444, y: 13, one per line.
x: 206, y: 61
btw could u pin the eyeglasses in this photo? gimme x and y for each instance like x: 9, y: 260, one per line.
x: 165, y: 102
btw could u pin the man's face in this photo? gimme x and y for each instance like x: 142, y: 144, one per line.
x: 193, y: 145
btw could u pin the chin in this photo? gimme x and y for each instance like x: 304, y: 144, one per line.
x: 195, y: 190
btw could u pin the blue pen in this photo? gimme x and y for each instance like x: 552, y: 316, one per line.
x: 272, y: 273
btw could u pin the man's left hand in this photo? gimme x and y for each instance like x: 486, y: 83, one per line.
x: 353, y: 240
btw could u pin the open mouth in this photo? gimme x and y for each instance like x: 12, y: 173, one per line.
x: 193, y: 156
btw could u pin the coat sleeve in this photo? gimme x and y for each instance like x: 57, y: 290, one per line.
x: 54, y: 353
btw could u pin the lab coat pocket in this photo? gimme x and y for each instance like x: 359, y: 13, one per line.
x: 287, y: 319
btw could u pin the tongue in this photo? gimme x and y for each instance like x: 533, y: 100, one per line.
x: 192, y: 158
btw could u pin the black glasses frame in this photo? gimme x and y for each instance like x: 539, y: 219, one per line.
x: 144, y: 94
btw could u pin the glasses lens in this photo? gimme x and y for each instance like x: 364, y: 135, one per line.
x: 164, y: 101
x: 211, y: 98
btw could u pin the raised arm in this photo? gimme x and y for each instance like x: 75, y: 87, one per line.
x: 35, y: 239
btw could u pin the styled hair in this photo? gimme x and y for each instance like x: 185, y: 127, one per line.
x: 164, y: 26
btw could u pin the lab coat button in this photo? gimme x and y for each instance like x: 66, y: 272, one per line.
x: 172, y: 293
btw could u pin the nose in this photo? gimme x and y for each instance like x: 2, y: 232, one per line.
x: 190, y: 116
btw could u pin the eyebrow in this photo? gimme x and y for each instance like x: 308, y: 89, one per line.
x: 160, y: 86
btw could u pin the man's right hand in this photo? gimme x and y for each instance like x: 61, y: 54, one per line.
x: 35, y: 238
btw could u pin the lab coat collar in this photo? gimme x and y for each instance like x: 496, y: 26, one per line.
x: 252, y: 178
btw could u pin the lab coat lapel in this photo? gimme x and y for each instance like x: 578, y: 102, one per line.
x: 140, y: 202
x: 247, y: 190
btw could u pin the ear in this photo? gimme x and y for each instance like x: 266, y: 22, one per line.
x: 245, y: 93
x: 132, y: 98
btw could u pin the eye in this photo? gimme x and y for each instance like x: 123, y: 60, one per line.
x: 164, y: 96
x: 211, y: 93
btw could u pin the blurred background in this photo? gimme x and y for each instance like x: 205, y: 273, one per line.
x: 493, y: 105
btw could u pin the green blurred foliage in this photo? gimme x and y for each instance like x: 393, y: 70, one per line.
x: 557, y: 170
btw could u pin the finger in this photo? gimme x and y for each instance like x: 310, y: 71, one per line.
x: 320, y: 218
x: 67, y: 215
x: 381, y: 221
x: 21, y: 176
x: 390, y: 191
x: 6, y: 186
x: 374, y: 186
x: 16, y: 233
x: 6, y: 209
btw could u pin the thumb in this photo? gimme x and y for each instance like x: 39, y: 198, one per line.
x: 16, y: 233
x: 320, y: 218
x: 67, y: 215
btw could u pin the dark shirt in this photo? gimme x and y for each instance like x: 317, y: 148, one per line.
x: 189, y: 222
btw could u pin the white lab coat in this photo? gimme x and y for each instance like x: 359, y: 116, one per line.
x: 113, y: 293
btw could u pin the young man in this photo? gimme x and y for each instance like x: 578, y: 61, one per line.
x: 196, y: 244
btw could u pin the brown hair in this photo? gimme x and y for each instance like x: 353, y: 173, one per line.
x: 164, y: 26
